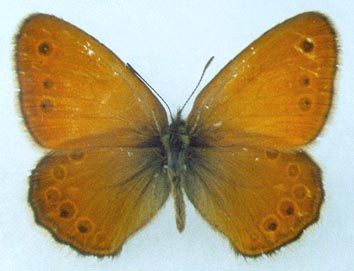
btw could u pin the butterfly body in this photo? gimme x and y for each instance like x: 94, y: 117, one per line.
x: 175, y: 144
x: 114, y: 159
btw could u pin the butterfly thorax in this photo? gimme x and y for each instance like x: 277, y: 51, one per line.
x: 175, y: 142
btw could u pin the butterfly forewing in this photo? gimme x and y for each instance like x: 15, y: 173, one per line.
x: 76, y: 93
x: 276, y: 93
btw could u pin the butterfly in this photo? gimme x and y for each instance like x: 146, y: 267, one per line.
x: 114, y: 158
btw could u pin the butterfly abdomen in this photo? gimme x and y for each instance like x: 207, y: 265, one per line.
x: 175, y: 142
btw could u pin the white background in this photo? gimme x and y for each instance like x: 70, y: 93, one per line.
x: 169, y: 42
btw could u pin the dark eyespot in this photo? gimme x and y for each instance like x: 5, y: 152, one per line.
x: 286, y: 208
x: 46, y: 105
x: 77, y: 155
x: 59, y: 172
x: 301, y: 192
x: 304, y: 81
x: 44, y: 48
x: 48, y: 84
x: 270, y: 224
x: 305, y: 103
x: 84, y: 225
x: 272, y: 155
x: 307, y: 45
x: 293, y: 170
x: 67, y: 210
x: 52, y: 195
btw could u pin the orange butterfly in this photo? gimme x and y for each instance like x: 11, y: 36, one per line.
x: 114, y: 157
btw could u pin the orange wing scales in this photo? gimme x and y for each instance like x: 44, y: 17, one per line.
x: 275, y: 93
x: 72, y: 87
x: 259, y: 199
x: 247, y: 176
x: 95, y: 199
x: 114, y: 157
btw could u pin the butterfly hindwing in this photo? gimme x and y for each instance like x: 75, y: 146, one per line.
x: 95, y: 199
x: 259, y: 199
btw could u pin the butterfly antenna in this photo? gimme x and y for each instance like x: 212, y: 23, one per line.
x: 200, y: 80
x: 150, y: 87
